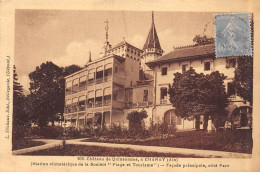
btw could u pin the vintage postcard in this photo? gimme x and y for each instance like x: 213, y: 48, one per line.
x: 129, y: 86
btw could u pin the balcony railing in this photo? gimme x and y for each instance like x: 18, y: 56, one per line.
x: 99, y: 80
x: 107, y: 78
x: 82, y: 108
x: 107, y: 103
x: 91, y: 82
x: 139, y: 104
x: 163, y: 101
x: 90, y: 105
x: 98, y: 104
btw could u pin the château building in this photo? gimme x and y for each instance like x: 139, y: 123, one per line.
x: 110, y: 87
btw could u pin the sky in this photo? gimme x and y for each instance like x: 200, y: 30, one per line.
x: 65, y: 37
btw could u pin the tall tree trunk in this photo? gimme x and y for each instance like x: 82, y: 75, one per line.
x: 205, y: 124
x: 197, y: 123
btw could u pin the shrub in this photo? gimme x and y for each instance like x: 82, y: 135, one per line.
x: 114, y: 132
x: 162, y: 128
x: 136, y: 124
x: 49, y: 132
x: 72, y: 132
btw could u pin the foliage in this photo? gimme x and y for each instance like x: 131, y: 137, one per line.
x: 243, y: 81
x: 194, y: 94
x: 71, y: 69
x: 136, y: 124
x: 21, y: 143
x: 45, y: 103
x: 46, y: 97
x: 48, y: 132
x: 203, y: 40
x: 116, y: 131
x: 20, y: 119
x: 162, y: 128
x: 19, y: 115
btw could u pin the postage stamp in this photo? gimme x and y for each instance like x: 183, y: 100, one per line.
x: 233, y: 35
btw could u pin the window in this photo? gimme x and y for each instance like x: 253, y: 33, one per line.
x: 206, y: 66
x: 75, y: 85
x: 184, y: 68
x: 68, y: 87
x: 115, y: 96
x: 116, y: 69
x: 164, y: 71
x: 163, y: 93
x: 232, y: 63
x: 179, y: 120
x: 145, y: 98
x: 82, y: 83
x: 231, y: 89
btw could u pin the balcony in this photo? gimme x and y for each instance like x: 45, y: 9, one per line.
x: 107, y: 78
x: 107, y: 102
x: 163, y: 101
x: 99, y: 80
x: 98, y: 104
x: 138, y: 105
x: 91, y: 82
x: 82, y: 108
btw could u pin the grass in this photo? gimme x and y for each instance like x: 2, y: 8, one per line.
x: 83, y: 150
x: 230, y: 141
x: 25, y: 143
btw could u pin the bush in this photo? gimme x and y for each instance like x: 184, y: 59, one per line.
x: 48, y: 132
x: 136, y: 124
x: 19, y: 132
x: 72, y: 132
x: 116, y: 131
x: 162, y: 128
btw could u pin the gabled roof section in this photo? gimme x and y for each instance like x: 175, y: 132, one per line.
x: 152, y: 40
x: 185, y: 53
x: 124, y: 43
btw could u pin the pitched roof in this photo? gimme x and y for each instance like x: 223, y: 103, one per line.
x: 186, y: 52
x: 124, y: 43
x: 152, y: 40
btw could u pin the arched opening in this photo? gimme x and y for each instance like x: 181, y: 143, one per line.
x: 170, y: 118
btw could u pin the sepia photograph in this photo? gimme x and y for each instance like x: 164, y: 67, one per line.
x: 153, y: 83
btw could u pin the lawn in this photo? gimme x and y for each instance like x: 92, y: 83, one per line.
x: 230, y: 141
x: 83, y: 150
x: 25, y: 143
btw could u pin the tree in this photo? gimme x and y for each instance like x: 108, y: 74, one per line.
x: 194, y: 94
x: 19, y: 116
x: 243, y: 80
x: 71, y: 69
x: 46, y: 97
x: 135, y: 118
x: 20, y: 119
x: 203, y: 40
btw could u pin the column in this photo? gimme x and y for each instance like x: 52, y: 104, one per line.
x: 110, y: 117
x: 102, y: 119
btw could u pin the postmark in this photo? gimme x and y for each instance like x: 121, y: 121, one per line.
x: 233, y: 35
